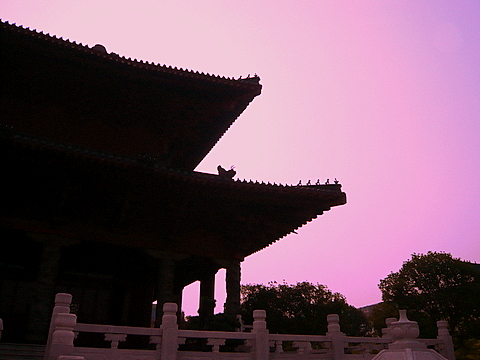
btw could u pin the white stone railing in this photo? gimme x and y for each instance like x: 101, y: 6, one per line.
x: 170, y: 343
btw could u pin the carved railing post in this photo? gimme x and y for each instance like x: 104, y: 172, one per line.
x: 446, y: 349
x: 62, y: 305
x: 337, y: 338
x: 405, y: 344
x: 63, y: 336
x: 169, y: 330
x: 260, y: 330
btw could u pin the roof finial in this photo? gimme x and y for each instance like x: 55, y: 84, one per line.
x: 100, y: 48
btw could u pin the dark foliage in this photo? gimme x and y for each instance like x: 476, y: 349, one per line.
x: 437, y: 286
x: 217, y: 322
x: 301, y: 308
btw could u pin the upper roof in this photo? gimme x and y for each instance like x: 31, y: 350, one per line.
x: 69, y: 92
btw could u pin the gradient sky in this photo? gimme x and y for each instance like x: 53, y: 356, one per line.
x: 382, y: 95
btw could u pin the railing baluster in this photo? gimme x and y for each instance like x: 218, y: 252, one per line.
x: 216, y: 343
x: 114, y: 339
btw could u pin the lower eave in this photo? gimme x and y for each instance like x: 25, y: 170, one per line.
x: 86, y: 195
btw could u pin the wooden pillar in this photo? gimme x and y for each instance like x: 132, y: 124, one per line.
x: 179, y: 297
x: 43, y: 293
x: 232, y: 279
x: 207, y: 297
x: 165, y: 287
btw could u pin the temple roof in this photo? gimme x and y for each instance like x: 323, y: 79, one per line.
x: 136, y: 202
x: 100, y: 51
x: 69, y: 92
x: 99, y: 147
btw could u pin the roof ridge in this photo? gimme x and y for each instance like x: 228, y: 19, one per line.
x: 139, y: 63
x: 147, y: 163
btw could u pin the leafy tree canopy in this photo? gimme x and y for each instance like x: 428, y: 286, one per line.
x: 301, y: 308
x: 437, y: 286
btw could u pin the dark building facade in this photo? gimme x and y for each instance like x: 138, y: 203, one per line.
x: 100, y: 197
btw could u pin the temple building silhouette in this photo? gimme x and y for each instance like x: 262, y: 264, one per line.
x: 100, y: 194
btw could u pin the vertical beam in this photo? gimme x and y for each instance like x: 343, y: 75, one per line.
x: 42, y: 294
x: 179, y: 297
x: 232, y: 279
x: 207, y: 297
x: 165, y: 287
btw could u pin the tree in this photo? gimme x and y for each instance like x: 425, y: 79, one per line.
x: 301, y: 308
x: 437, y: 286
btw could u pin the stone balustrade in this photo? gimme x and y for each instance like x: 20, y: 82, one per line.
x: 170, y: 343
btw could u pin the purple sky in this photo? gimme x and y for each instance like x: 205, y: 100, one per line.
x: 382, y: 95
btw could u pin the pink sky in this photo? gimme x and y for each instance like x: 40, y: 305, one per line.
x: 382, y: 95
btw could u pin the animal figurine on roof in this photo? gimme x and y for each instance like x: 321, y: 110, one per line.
x: 227, y: 174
